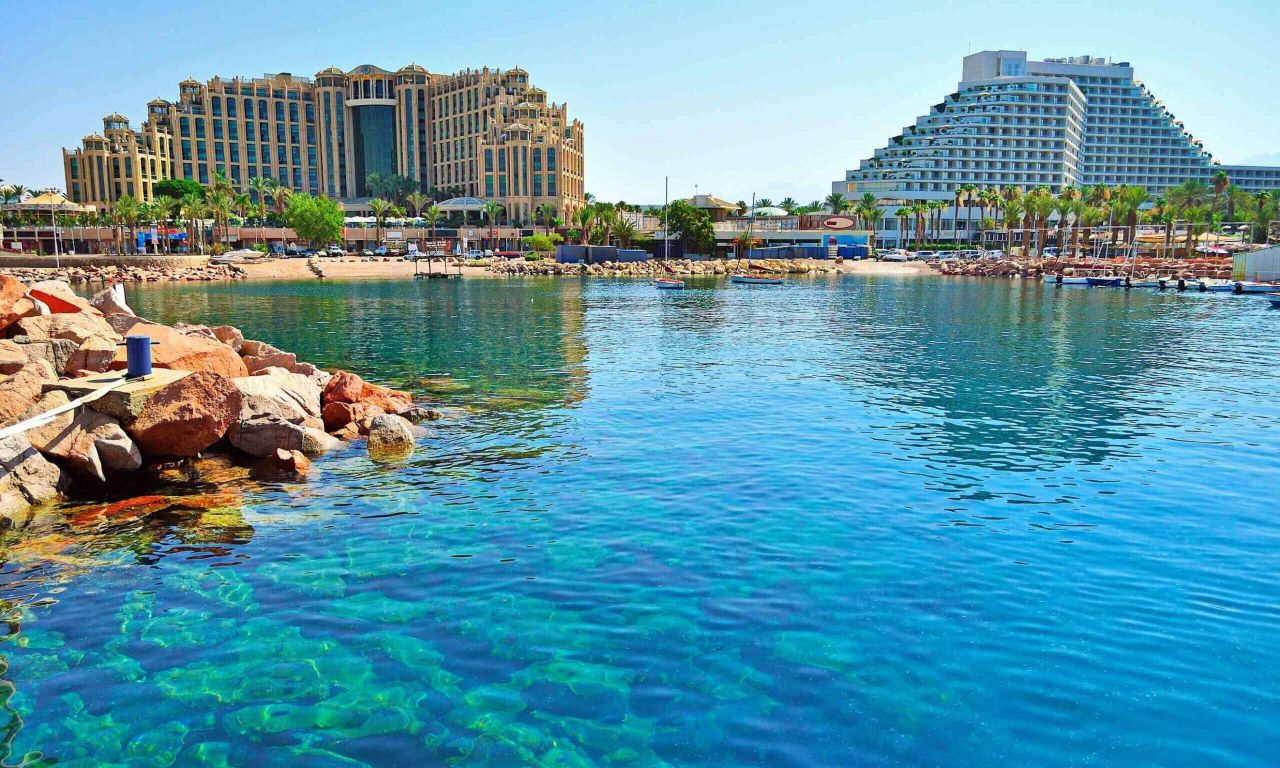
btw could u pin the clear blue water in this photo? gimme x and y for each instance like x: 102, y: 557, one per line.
x: 843, y: 522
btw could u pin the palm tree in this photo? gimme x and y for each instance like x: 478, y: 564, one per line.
x: 919, y: 210
x: 546, y: 213
x: 431, y: 217
x: 1191, y: 193
x: 492, y: 210
x: 626, y: 232
x: 837, y: 203
x: 870, y: 216
x: 1041, y: 207
x: 764, y: 202
x: 279, y: 194
x: 127, y: 212
x: 381, y: 210
x: 608, y: 217
x: 165, y: 207
x: 742, y: 208
x: 1128, y: 202
x: 789, y: 205
x: 1091, y: 216
x: 966, y: 194
x: 415, y: 202
x: 901, y: 214
x: 1220, y: 181
x: 583, y: 218
x: 1065, y: 206
x: 1011, y: 210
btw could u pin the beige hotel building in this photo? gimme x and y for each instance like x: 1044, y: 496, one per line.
x: 484, y: 133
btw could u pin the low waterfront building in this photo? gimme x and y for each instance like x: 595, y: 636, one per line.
x: 488, y: 133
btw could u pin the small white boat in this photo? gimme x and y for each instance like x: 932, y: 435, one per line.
x: 1050, y: 277
x: 668, y: 283
x: 1216, y: 285
x: 1150, y: 282
x: 1074, y: 280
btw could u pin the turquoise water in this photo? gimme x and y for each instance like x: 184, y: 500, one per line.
x: 843, y: 522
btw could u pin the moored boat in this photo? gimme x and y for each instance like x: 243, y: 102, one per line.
x: 1254, y: 287
x: 1050, y: 277
x: 1074, y: 280
x: 1217, y: 285
x: 1275, y: 300
x: 1105, y: 281
x: 668, y: 283
x: 756, y: 279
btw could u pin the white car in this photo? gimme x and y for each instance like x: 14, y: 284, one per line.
x: 1051, y: 252
x: 926, y: 255
x: 475, y: 254
x: 896, y: 254
x: 995, y: 255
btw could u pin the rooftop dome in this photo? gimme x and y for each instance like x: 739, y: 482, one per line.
x: 330, y: 71
x: 414, y: 68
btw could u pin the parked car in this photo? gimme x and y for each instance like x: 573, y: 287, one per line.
x: 381, y: 250
x: 1051, y: 252
x: 366, y: 252
x: 897, y: 254
x: 337, y: 250
x: 475, y: 254
x: 995, y: 255
x: 926, y: 255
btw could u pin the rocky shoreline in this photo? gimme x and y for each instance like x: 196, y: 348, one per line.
x: 122, y: 274
x: 211, y: 390
x: 1035, y: 268
x: 659, y: 268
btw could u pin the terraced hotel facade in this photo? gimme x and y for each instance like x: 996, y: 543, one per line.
x: 1058, y: 122
x: 486, y: 133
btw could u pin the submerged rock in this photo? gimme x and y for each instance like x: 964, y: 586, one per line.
x: 187, y: 416
x: 316, y: 441
x: 418, y: 414
x: 282, y: 465
x: 389, y: 433
x: 27, y: 479
x: 262, y: 435
x: 343, y: 387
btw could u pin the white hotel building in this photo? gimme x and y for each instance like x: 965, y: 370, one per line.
x: 1058, y: 122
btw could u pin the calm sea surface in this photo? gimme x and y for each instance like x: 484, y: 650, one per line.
x: 843, y: 522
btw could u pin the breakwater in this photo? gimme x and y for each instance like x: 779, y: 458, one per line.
x: 73, y: 423
x: 659, y: 268
x: 1034, y: 268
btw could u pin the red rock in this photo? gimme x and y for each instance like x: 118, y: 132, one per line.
x: 22, y: 390
x: 181, y: 352
x: 13, y: 305
x: 77, y: 327
x: 12, y: 358
x: 282, y: 465
x: 64, y: 304
x: 229, y: 335
x: 389, y: 400
x: 344, y: 387
x: 119, y: 512
x: 187, y: 416
x: 338, y: 415
x: 95, y: 355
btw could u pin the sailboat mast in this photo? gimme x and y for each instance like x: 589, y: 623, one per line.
x: 666, y: 201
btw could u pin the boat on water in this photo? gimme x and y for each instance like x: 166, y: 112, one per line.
x: 1105, y: 281
x: 1275, y: 300
x: 668, y: 283
x: 756, y: 279
x: 1074, y: 280
x: 1217, y: 285
x: 1254, y: 287
x: 1051, y: 277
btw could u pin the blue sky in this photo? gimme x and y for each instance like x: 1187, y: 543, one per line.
x: 772, y: 98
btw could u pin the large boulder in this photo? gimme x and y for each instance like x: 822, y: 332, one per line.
x: 285, y: 360
x: 56, y: 352
x: 181, y: 352
x: 187, y: 416
x: 12, y: 357
x: 27, y: 479
x: 13, y: 302
x: 277, y: 391
x: 84, y: 441
x: 105, y: 301
x: 317, y: 441
x: 343, y: 387
x: 420, y: 413
x: 59, y: 298
x: 22, y: 390
x: 229, y: 335
x: 338, y: 415
x: 263, y: 435
x: 74, y: 326
x: 389, y: 400
x: 95, y: 355
x: 282, y: 465
x: 389, y: 433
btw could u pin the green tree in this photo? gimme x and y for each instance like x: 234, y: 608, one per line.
x: 177, y: 188
x: 317, y: 220
x: 966, y: 195
x: 545, y: 213
x: 381, y: 210
x: 691, y: 226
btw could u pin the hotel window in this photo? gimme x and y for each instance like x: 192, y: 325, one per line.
x: 217, y: 106
x: 293, y: 113
x: 502, y: 186
x: 204, y: 174
x: 281, y: 155
x: 537, y: 185
x: 231, y: 107
x: 488, y: 160
x: 217, y: 129
x: 537, y: 159
x: 252, y: 150
x: 186, y: 149
x: 311, y: 135
x: 296, y: 155
x: 248, y: 109
x: 293, y: 133
x: 235, y: 174
x: 128, y: 167
x: 311, y: 113
x: 502, y: 161
x: 250, y: 133
x: 297, y: 178
x: 279, y: 111
x: 199, y: 127
x: 233, y: 130
x: 186, y: 170
x: 264, y: 130
x: 235, y: 153
x: 279, y: 133
x: 488, y: 186
x: 551, y: 185
x: 551, y: 159
x: 201, y: 154
x: 218, y: 153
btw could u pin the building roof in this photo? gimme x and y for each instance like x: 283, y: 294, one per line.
x: 456, y: 204
x: 331, y: 71
x: 413, y: 68
x: 711, y: 201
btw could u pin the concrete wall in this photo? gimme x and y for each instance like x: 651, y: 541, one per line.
x: 1259, y: 265
x: 28, y: 261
